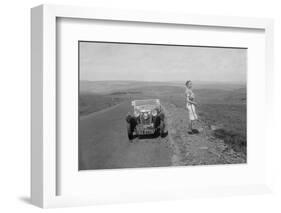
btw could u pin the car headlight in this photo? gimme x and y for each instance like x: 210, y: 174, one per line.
x: 154, y: 112
x: 136, y: 113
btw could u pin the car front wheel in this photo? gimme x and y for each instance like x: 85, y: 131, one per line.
x: 129, y: 131
x: 162, y: 128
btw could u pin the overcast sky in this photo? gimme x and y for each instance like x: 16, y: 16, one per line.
x: 111, y: 61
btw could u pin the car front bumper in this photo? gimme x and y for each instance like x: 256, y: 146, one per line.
x: 145, y: 129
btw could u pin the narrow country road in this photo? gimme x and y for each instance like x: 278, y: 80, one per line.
x: 104, y: 144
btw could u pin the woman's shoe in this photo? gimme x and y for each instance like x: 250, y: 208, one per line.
x: 195, y: 131
x: 190, y: 132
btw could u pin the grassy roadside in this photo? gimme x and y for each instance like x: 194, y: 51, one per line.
x: 230, y: 123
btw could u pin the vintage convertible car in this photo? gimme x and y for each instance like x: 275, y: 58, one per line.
x: 147, y: 118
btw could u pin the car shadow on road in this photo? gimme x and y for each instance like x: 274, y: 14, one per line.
x: 156, y: 135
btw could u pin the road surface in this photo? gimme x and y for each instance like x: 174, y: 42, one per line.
x: 104, y: 144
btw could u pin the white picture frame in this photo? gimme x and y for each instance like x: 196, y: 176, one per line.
x: 44, y: 169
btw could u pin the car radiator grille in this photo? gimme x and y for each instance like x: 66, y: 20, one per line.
x: 145, y: 121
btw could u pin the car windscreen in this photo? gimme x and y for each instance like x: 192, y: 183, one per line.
x: 146, y: 102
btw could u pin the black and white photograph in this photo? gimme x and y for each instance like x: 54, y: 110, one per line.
x: 161, y: 105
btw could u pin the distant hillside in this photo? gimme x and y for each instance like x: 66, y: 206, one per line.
x: 103, y: 87
x: 235, y: 96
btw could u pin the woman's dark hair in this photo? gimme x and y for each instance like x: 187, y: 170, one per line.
x: 187, y: 82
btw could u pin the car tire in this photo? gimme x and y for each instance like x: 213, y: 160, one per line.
x: 130, y: 132
x: 130, y: 137
x: 162, y: 128
x: 131, y: 125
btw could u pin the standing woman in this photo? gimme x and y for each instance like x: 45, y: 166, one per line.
x: 190, y: 106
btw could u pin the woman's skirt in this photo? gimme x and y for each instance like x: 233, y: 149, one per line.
x: 191, y: 112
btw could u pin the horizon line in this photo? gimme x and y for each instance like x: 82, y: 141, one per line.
x: 176, y: 81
